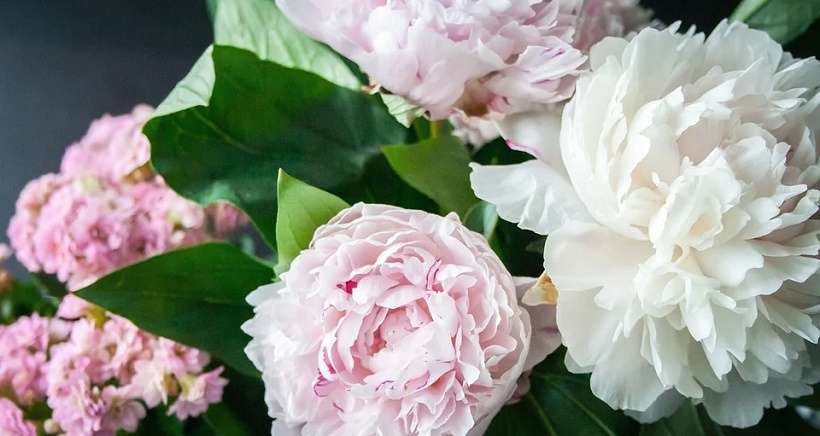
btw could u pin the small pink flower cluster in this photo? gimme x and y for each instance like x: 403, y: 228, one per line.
x: 12, y: 422
x: 146, y: 371
x: 98, y: 379
x: 105, y: 209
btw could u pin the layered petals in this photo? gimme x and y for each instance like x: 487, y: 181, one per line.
x: 392, y: 322
x: 694, y: 162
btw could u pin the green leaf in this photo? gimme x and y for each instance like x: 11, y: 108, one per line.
x: 157, y: 422
x: 685, y: 422
x: 50, y: 284
x: 258, y: 26
x: 558, y: 403
x: 402, y: 110
x: 784, y: 20
x: 302, y: 209
x: 482, y: 218
x: 193, y: 90
x: 224, y: 422
x: 438, y: 168
x: 195, y: 296
x: 260, y: 118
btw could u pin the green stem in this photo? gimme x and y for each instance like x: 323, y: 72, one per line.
x: 435, y: 129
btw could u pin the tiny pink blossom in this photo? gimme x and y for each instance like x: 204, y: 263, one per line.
x: 198, y: 393
x: 12, y: 422
x: 24, y: 355
x: 113, y: 148
x: 124, y: 411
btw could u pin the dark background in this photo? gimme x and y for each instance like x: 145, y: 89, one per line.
x: 65, y: 62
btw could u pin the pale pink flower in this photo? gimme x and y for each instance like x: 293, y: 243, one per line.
x: 163, y: 220
x: 82, y: 231
x: 393, y: 322
x: 198, y: 392
x: 24, y: 222
x: 106, y: 210
x: 113, y: 148
x: 82, y: 228
x: 23, y: 357
x: 99, y: 377
x: 12, y: 422
x: 443, y: 55
x: 123, y: 412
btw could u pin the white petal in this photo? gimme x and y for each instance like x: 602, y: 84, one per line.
x: 537, y: 133
x: 531, y: 194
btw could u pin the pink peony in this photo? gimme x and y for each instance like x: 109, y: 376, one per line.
x: 393, y: 322
x: 11, y: 420
x: 113, y: 148
x: 445, y: 55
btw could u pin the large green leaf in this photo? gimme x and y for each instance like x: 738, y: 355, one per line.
x: 193, y: 90
x: 260, y: 118
x: 784, y: 20
x: 302, y: 209
x: 558, y: 403
x: 195, y: 296
x: 437, y: 167
x: 258, y: 26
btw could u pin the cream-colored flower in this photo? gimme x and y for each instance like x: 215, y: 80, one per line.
x: 680, y: 211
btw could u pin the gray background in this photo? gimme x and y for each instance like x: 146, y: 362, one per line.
x: 66, y: 62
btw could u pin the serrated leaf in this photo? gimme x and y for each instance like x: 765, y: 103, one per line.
x: 438, y: 168
x: 784, y: 20
x: 320, y: 133
x: 195, y: 296
x: 302, y: 209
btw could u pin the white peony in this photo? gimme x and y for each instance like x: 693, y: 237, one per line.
x: 680, y: 209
